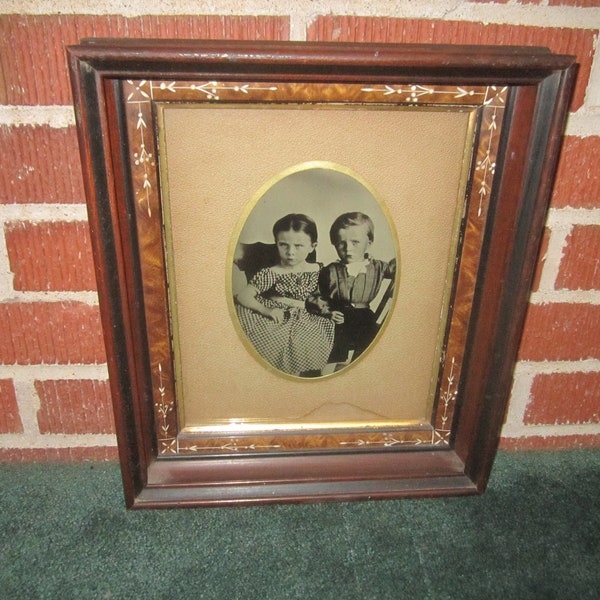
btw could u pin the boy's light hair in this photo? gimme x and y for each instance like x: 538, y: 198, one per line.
x: 348, y: 220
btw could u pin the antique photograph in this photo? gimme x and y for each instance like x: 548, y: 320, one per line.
x: 314, y: 271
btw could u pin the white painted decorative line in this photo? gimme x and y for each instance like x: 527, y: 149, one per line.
x: 388, y: 441
x: 210, y: 90
x: 163, y: 408
x: 230, y: 447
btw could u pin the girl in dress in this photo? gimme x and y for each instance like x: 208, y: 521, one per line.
x: 271, y: 308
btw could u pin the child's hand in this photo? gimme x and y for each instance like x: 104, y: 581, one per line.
x: 277, y: 315
x: 337, y: 317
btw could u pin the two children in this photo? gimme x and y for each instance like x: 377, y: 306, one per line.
x: 299, y: 315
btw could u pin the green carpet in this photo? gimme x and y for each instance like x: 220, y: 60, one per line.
x: 535, y: 533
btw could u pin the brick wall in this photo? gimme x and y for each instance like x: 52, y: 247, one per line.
x: 53, y: 379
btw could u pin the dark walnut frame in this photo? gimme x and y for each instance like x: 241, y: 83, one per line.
x: 520, y: 99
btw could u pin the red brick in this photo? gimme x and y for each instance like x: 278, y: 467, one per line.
x: 74, y: 406
x: 564, y: 398
x: 580, y: 265
x: 50, y: 256
x: 579, y: 3
x: 75, y: 454
x: 538, y: 442
x: 32, y: 47
x: 10, y: 420
x: 50, y: 332
x: 541, y: 260
x: 561, y: 40
x: 561, y: 331
x: 40, y: 164
x: 578, y: 175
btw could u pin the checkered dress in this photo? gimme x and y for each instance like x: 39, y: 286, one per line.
x: 303, y: 341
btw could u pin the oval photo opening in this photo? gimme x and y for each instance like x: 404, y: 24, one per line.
x: 314, y: 271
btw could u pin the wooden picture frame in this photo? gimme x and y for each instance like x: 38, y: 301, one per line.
x: 184, y: 143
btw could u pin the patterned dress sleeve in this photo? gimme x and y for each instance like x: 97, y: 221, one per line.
x: 263, y: 280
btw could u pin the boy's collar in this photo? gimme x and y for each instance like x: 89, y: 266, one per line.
x: 353, y: 269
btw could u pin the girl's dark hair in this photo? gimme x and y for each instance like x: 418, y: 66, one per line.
x: 296, y: 222
x: 349, y: 219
